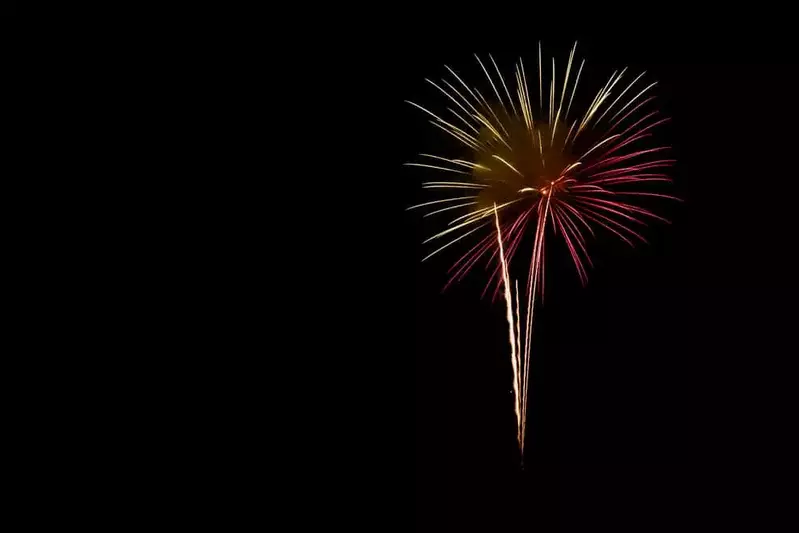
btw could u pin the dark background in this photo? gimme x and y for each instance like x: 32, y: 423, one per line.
x: 663, y: 395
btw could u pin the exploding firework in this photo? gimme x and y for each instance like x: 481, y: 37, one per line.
x: 532, y: 169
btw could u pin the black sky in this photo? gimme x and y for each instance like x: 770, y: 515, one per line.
x: 663, y: 395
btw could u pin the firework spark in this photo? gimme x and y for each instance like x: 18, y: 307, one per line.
x: 537, y: 173
x: 514, y: 356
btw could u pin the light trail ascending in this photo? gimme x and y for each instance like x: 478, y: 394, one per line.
x: 514, y: 356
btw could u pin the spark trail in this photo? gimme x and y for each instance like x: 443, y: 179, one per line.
x: 514, y: 356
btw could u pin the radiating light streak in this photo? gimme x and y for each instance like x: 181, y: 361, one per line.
x: 434, y: 84
x: 447, y: 209
x: 450, y: 230
x: 598, y: 145
x: 472, y: 214
x: 453, y: 242
x: 552, y: 95
x: 499, y: 98
x: 454, y: 128
x: 563, y: 92
x: 491, y: 110
x: 493, y: 130
x: 465, y: 141
x: 508, y: 165
x: 574, y: 89
x: 464, y: 85
x: 578, y: 216
x: 466, y: 122
x: 503, y: 85
x: 487, y: 211
x: 619, y: 98
x: 633, y: 100
x: 593, y: 215
x: 453, y: 161
x: 526, y: 94
x: 454, y: 184
x: 540, y: 89
x: 440, y: 201
x: 575, y: 256
x: 535, y: 267
x: 566, y: 140
x: 435, y: 167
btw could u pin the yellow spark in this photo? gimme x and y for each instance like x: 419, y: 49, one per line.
x: 460, y: 80
x: 593, y: 103
x: 508, y: 164
x: 469, y: 164
x: 426, y: 111
x: 601, y: 97
x: 441, y: 201
x: 552, y: 91
x: 467, y: 142
x: 606, y: 94
x: 463, y: 133
x: 450, y: 230
x: 574, y: 89
x: 573, y: 165
x: 541, y: 149
x: 566, y: 141
x: 522, y: 103
x: 480, y: 212
x: 599, y: 144
x: 633, y: 100
x: 492, y: 84
x: 453, y: 161
x: 563, y: 92
x: 454, y: 128
x: 527, y: 95
x: 494, y: 131
x: 464, y: 99
x: 540, y: 89
x: 470, y: 92
x: 454, y: 100
x: 438, y: 186
x: 456, y: 240
x: 464, y: 120
x: 503, y: 84
x: 619, y: 97
x: 436, y: 167
x: 447, y: 209
x: 428, y: 184
x: 485, y: 103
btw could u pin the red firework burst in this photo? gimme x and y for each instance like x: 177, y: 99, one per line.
x: 535, y: 173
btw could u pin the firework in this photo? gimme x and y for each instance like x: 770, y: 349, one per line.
x: 538, y: 170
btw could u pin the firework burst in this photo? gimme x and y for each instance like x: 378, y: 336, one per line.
x: 534, y: 168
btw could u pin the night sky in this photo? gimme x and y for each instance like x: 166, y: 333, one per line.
x: 663, y: 395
